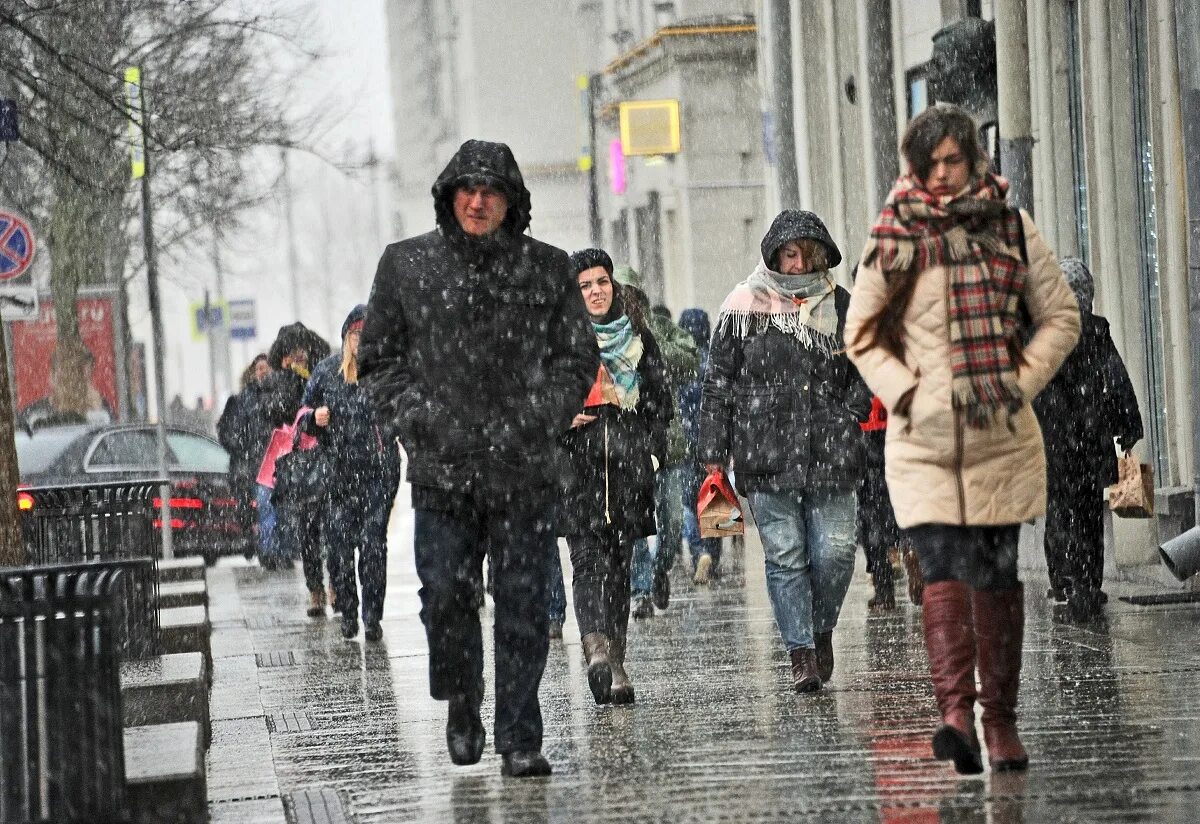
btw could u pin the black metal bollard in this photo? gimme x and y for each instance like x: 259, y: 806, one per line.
x: 61, y: 738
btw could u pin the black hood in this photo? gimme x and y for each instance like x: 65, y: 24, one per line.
x: 481, y: 162
x: 356, y: 314
x: 297, y: 336
x: 796, y: 224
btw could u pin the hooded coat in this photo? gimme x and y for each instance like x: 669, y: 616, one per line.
x: 353, y: 443
x: 606, y: 475
x: 695, y: 322
x: 1089, y: 402
x: 283, y: 389
x: 477, y: 352
x: 785, y: 413
x: 939, y: 470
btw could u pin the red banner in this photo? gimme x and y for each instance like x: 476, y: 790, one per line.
x: 33, y: 343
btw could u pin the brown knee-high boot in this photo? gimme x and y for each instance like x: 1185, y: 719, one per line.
x: 999, y: 630
x: 950, y: 641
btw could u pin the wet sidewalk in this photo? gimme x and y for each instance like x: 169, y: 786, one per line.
x: 309, y: 727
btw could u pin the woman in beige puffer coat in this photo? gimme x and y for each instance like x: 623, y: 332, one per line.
x: 959, y: 317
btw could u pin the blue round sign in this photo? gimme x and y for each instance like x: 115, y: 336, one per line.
x: 16, y: 246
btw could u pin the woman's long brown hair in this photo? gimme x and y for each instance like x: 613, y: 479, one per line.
x: 924, y: 134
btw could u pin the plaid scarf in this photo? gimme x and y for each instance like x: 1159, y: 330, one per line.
x: 978, y: 238
x: 621, y: 351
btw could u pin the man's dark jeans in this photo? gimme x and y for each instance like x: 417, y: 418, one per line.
x: 450, y: 547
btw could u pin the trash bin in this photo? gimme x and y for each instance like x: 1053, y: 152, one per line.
x: 61, y: 738
x: 103, y: 522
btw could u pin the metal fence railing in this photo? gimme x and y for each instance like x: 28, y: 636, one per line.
x: 108, y: 521
x: 61, y: 740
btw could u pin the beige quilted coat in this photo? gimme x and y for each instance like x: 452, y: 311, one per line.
x: 940, y: 471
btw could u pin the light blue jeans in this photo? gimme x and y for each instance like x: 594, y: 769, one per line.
x: 808, y: 541
x: 668, y: 514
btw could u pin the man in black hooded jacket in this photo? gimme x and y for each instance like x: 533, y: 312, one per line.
x: 477, y: 353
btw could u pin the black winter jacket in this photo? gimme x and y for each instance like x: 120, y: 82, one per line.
x: 353, y: 443
x: 786, y: 415
x: 244, y: 431
x: 477, y: 353
x: 1089, y: 402
x: 279, y: 401
x: 606, y: 475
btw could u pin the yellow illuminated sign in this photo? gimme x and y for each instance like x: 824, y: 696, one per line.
x: 650, y: 127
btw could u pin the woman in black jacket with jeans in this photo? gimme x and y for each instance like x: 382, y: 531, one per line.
x: 607, y: 478
x: 782, y: 401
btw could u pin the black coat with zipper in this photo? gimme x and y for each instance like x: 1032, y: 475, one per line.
x: 353, y: 444
x: 476, y: 353
x: 787, y: 416
x: 605, y: 470
x: 244, y: 432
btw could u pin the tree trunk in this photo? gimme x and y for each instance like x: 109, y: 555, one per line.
x: 12, y: 549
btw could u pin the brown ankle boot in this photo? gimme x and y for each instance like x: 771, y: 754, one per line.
x: 950, y: 641
x: 316, y: 603
x: 622, y: 688
x: 805, y: 674
x: 600, y: 675
x: 999, y: 629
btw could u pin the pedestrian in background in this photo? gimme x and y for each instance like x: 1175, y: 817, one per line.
x: 782, y: 401
x: 364, y: 475
x: 244, y: 434
x: 477, y: 353
x: 291, y: 530
x: 1089, y: 402
x: 937, y: 327
x: 877, y: 530
x: 607, y: 497
x: 705, y: 552
x: 650, y: 581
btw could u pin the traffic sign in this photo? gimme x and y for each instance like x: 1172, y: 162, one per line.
x: 207, y: 318
x: 16, y: 246
x: 243, y: 320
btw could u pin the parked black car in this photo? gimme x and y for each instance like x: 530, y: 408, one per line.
x: 203, y: 509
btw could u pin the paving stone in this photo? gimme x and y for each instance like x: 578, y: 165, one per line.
x: 164, y: 774
x: 190, y: 568
x: 165, y: 689
x: 182, y: 594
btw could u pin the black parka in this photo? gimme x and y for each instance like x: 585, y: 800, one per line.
x: 787, y: 415
x: 477, y: 352
x: 244, y: 431
x: 353, y: 444
x: 605, y: 471
x: 1089, y: 402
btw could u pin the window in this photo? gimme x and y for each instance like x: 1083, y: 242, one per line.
x: 917, y: 83
x: 196, y: 454
x: 1078, y: 140
x: 124, y: 449
x: 1147, y: 236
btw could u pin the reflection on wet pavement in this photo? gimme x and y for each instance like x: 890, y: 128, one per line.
x: 1109, y: 713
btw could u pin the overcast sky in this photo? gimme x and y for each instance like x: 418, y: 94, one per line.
x: 336, y: 244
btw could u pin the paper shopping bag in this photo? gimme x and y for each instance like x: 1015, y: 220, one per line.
x: 717, y: 508
x: 1133, y: 494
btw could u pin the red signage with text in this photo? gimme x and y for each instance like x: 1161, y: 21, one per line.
x: 33, y: 343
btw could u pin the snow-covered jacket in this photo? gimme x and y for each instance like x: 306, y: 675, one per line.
x: 939, y: 470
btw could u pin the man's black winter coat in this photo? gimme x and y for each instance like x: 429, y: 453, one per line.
x: 477, y: 352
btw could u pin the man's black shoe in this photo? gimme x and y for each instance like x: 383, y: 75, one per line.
x: 373, y: 631
x: 464, y: 732
x: 349, y: 626
x: 524, y: 765
x: 661, y: 590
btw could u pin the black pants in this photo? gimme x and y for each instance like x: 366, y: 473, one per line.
x: 450, y: 547
x: 357, y: 519
x: 600, y: 581
x: 984, y: 557
x: 299, y: 533
x: 1074, y: 540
